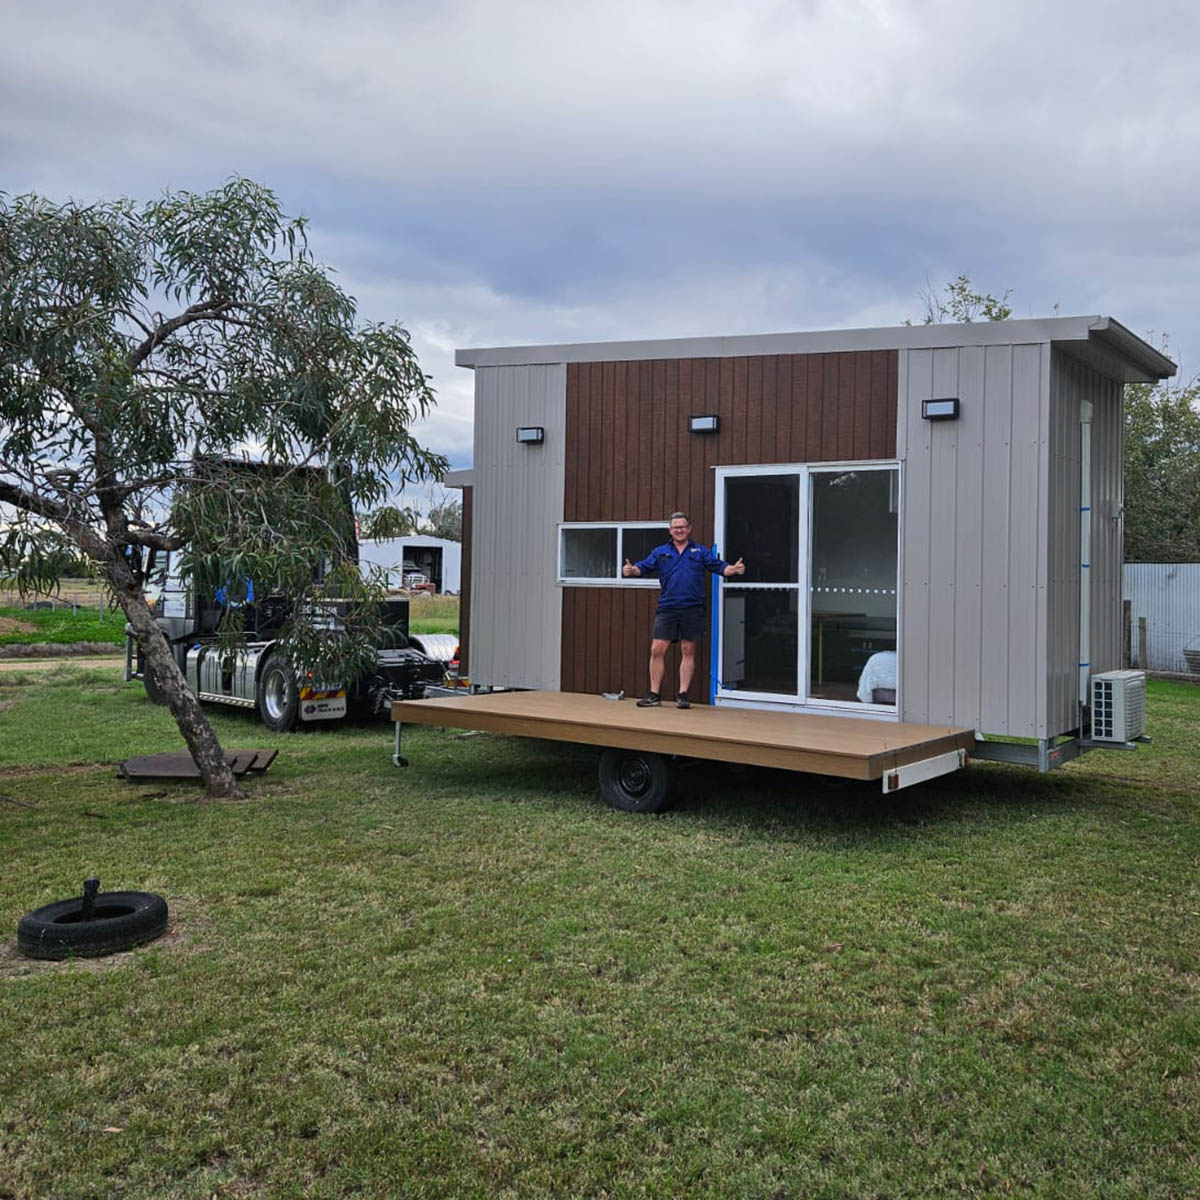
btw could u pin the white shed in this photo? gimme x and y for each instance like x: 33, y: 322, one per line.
x: 438, y: 559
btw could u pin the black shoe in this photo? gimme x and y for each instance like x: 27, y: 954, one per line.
x: 650, y: 701
x: 681, y: 701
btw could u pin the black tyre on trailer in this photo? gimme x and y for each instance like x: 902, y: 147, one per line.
x: 635, y: 780
x: 117, y: 921
x: 278, y: 694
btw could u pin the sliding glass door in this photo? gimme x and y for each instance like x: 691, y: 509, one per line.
x: 760, y: 610
x: 813, y: 620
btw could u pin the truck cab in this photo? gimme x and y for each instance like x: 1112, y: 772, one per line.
x: 255, y: 673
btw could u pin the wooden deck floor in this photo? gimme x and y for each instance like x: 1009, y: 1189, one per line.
x: 843, y: 746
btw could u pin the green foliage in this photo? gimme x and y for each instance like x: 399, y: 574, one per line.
x: 444, y: 519
x: 28, y: 565
x: 145, y: 347
x: 1162, y: 472
x: 963, y: 304
x: 388, y: 522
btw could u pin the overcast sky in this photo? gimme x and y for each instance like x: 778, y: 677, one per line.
x: 496, y: 173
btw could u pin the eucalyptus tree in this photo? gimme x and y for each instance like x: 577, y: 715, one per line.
x: 144, y: 350
x: 1162, y: 472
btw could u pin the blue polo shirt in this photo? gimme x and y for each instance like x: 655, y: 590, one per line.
x: 681, y: 576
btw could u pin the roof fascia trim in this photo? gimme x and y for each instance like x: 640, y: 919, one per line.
x: 893, y: 337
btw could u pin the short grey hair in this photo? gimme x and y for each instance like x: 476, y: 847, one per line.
x: 679, y: 516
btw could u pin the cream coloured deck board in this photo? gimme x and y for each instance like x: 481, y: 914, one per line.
x: 845, y: 746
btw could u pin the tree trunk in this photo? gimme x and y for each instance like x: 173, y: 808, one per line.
x: 185, y: 708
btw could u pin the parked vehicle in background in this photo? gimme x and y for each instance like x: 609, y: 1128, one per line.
x: 257, y: 674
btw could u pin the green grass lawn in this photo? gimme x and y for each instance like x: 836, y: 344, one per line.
x: 59, y: 626
x: 471, y: 978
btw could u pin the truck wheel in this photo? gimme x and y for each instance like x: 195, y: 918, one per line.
x: 634, y: 780
x: 278, y: 695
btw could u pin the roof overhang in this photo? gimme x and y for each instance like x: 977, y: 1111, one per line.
x: 1100, y: 342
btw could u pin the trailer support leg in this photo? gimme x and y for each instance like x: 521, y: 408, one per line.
x: 398, y: 759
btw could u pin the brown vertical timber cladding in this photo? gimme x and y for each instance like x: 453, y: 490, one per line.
x: 631, y: 457
x: 464, y: 586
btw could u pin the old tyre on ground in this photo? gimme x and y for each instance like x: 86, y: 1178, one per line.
x: 634, y: 780
x: 278, y: 694
x: 118, y: 921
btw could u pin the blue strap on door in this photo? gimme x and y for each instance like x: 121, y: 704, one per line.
x: 713, y: 681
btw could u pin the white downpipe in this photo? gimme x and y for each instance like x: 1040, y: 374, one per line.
x: 1085, y: 548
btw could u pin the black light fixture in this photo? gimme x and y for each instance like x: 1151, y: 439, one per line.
x: 705, y: 424
x: 940, y: 410
x: 531, y: 435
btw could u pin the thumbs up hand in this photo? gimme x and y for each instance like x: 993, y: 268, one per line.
x: 737, y: 568
x: 629, y: 569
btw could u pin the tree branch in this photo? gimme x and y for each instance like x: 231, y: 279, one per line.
x: 198, y: 312
x: 31, y: 502
x: 86, y: 538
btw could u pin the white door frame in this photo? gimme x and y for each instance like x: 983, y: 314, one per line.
x: 799, y: 701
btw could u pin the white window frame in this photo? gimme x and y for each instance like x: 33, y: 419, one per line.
x: 617, y: 580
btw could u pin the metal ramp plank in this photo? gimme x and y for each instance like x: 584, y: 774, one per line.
x: 178, y: 764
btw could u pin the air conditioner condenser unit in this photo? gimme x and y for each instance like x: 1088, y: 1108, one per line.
x: 1118, y: 706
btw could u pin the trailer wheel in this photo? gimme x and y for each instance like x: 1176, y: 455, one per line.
x: 118, y: 921
x: 634, y: 780
x: 278, y: 694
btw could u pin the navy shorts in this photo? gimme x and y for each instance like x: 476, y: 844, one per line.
x: 679, y: 624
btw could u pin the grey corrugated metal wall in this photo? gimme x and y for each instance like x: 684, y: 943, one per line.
x: 990, y: 537
x: 1167, y: 595
x: 516, y: 610
x: 973, y: 645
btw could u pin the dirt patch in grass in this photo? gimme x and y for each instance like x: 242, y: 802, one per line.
x: 186, y: 930
x: 12, y: 625
x: 54, y: 650
x: 66, y: 769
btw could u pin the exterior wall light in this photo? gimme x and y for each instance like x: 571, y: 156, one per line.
x: 940, y: 410
x: 707, y: 424
x: 531, y: 435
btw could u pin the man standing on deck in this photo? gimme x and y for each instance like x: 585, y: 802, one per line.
x: 681, y: 566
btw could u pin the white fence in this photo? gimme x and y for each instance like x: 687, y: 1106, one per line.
x: 1167, y: 597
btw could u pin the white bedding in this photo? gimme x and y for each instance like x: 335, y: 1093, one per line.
x: 879, y: 672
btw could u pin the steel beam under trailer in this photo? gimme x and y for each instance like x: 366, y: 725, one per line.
x: 896, y: 753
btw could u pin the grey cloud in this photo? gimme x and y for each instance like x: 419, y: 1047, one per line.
x: 540, y: 171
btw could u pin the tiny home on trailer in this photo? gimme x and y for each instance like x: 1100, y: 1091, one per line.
x: 930, y: 518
